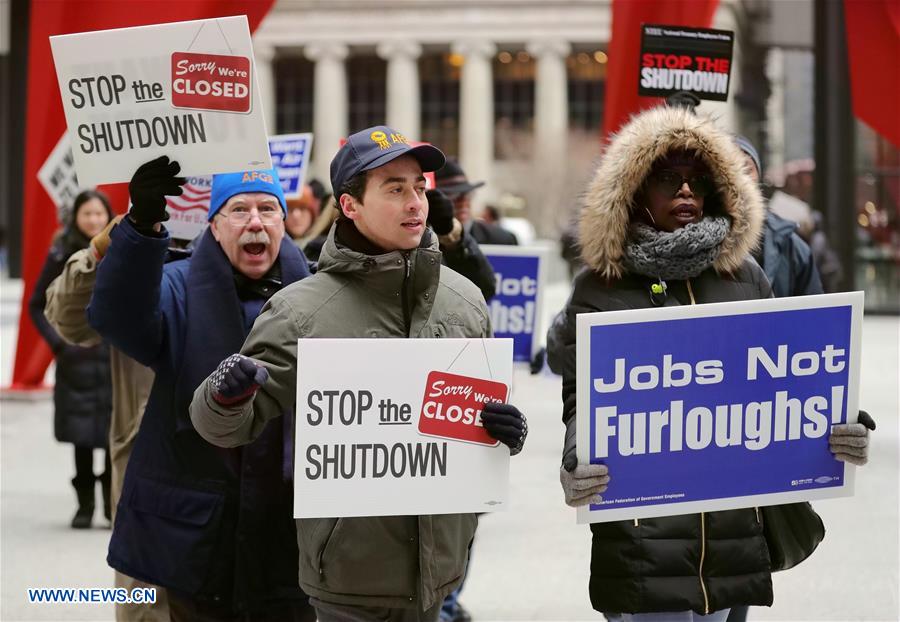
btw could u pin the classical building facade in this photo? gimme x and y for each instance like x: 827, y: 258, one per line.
x: 513, y: 88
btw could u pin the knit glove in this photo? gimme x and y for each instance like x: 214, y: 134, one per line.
x: 100, y: 242
x: 506, y: 423
x: 148, y: 189
x: 236, y: 379
x: 849, y: 442
x: 440, y: 212
x: 581, y: 483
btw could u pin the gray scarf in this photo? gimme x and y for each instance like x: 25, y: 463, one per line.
x: 681, y: 254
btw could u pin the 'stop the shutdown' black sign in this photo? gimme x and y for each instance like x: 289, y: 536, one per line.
x: 675, y: 58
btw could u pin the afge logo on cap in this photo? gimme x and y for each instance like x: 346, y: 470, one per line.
x: 251, y: 176
x: 381, y: 139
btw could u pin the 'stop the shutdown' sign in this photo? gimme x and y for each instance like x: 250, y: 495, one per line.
x: 717, y: 406
x: 186, y: 90
x: 675, y: 58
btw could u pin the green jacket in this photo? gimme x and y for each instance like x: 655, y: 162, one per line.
x: 389, y: 561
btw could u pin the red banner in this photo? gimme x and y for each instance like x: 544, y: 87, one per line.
x: 622, y: 99
x: 45, y: 124
x: 873, y: 47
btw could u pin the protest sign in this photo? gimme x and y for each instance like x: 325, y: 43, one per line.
x: 186, y: 90
x: 290, y: 157
x: 388, y: 427
x: 717, y: 406
x: 677, y: 58
x: 58, y: 176
x: 188, y: 212
x: 517, y: 307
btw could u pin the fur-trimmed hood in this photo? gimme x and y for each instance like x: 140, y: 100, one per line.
x: 605, y: 218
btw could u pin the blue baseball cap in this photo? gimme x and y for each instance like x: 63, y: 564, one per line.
x: 374, y: 147
x: 226, y: 185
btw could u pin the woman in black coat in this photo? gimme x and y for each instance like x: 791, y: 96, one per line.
x: 670, y: 219
x: 82, y: 394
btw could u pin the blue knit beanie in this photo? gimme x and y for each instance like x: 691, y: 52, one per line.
x: 747, y: 147
x: 226, y: 185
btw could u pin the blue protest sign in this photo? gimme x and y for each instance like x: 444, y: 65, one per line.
x: 717, y: 406
x: 290, y: 157
x: 516, y: 309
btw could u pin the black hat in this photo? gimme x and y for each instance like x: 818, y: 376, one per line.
x: 374, y: 147
x: 452, y: 180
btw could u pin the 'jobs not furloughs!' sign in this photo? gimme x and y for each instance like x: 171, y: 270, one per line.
x: 186, y: 90
x: 717, y: 406
x: 676, y: 58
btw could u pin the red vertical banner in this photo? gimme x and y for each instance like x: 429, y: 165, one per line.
x: 45, y: 124
x: 873, y: 45
x: 622, y: 99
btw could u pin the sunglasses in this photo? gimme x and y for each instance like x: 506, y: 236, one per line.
x: 670, y: 182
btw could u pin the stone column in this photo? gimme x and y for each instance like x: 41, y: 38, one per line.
x: 330, y: 111
x: 551, y: 128
x: 476, y: 110
x: 403, y: 95
x: 265, y: 76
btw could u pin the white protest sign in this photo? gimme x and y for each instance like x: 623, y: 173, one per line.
x: 187, y: 90
x: 391, y: 427
x: 58, y: 176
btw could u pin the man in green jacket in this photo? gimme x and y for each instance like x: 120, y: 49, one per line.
x: 379, y: 275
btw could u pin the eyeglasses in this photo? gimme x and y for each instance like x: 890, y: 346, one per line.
x: 268, y: 214
x: 670, y: 182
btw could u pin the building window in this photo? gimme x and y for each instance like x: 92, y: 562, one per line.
x: 366, y: 79
x: 294, y: 94
x: 514, y: 73
x: 439, y: 84
x: 587, y: 88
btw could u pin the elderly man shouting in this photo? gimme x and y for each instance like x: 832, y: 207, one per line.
x: 212, y: 526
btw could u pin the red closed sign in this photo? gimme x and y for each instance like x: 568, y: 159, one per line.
x: 211, y: 82
x: 452, y: 406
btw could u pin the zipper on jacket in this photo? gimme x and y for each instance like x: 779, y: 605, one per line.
x: 404, y: 294
x: 758, y: 521
x: 637, y: 523
x: 702, y: 557
x: 690, y: 291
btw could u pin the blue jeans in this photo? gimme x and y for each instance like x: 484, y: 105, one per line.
x: 668, y: 616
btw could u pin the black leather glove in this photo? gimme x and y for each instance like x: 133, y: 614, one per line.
x: 148, y: 189
x: 506, y: 423
x: 236, y: 379
x: 440, y: 212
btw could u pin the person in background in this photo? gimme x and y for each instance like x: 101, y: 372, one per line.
x: 459, y: 250
x: 67, y: 298
x: 786, y: 259
x: 452, y: 181
x: 302, y: 213
x: 82, y: 394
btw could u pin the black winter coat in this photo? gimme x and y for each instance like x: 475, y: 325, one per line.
x: 703, y: 562
x: 82, y: 393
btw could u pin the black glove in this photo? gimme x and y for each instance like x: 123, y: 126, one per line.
x: 148, y: 189
x: 440, y: 212
x: 236, y: 379
x: 505, y: 423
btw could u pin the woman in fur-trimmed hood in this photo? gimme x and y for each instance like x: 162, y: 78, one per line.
x: 669, y: 219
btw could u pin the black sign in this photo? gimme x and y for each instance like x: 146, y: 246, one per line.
x: 677, y: 58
